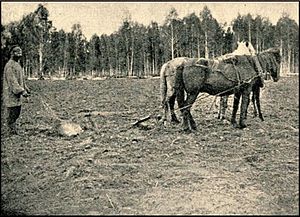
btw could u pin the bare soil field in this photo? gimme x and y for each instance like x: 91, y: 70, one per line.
x: 113, y: 168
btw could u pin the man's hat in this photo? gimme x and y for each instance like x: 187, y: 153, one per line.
x: 12, y: 48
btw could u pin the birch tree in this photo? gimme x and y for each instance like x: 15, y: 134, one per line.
x: 287, y: 34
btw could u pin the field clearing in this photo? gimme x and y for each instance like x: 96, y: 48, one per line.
x: 115, y: 169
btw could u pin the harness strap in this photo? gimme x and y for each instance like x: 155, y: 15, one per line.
x: 216, y: 70
x: 238, y: 75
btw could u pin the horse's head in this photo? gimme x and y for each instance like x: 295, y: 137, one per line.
x: 243, y: 49
x: 270, y: 60
x: 276, y: 53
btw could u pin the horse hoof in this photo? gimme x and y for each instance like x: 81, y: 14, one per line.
x: 175, y: 122
x: 242, y: 126
x: 194, y: 128
x: 187, y: 131
x: 234, y: 124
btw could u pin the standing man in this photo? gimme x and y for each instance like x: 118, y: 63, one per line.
x: 14, y: 88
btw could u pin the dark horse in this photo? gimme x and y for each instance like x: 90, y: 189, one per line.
x: 269, y: 64
x: 235, y: 75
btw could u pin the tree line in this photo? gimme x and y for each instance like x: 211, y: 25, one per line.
x: 139, y: 50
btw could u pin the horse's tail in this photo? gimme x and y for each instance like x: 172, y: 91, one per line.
x: 163, y: 84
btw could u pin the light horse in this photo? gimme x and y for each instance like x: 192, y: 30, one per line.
x: 235, y: 74
x: 167, y: 84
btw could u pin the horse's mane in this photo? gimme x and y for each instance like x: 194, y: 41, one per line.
x: 271, y: 52
x: 270, y: 59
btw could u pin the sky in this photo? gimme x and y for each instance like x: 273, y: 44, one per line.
x: 106, y: 17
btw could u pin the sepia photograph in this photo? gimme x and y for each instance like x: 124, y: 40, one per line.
x: 149, y: 108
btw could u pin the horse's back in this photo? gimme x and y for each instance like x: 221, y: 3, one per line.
x: 179, y: 62
x: 170, y: 75
x: 194, y: 77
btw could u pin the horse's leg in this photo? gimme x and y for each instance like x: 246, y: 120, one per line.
x: 257, y: 99
x: 223, y: 107
x: 246, y: 113
x: 171, y: 107
x: 254, y: 102
x: 181, y: 105
x: 163, y: 93
x: 244, y: 106
x: 165, y: 108
x: 167, y: 94
x: 191, y: 98
x: 236, y: 102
